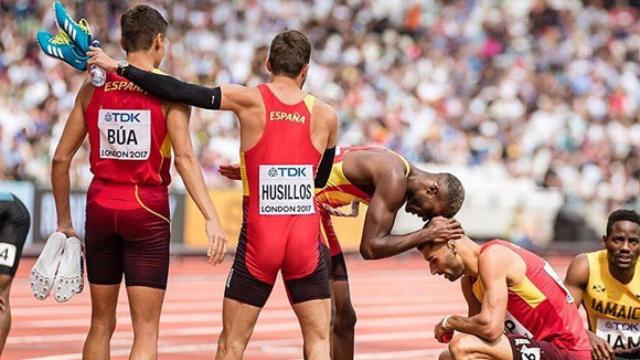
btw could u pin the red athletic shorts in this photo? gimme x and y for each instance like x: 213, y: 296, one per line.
x: 337, y: 266
x: 267, y: 245
x: 127, y: 231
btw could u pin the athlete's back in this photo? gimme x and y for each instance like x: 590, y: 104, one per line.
x: 128, y: 134
x: 281, y: 223
x: 540, y: 307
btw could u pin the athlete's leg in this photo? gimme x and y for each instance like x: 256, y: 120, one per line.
x: 104, y: 299
x: 238, y: 321
x: 13, y: 233
x: 5, y: 315
x: 146, y: 234
x: 343, y: 321
x: 343, y: 316
x: 145, y: 304
x: 103, y: 251
x: 310, y: 295
x: 467, y: 347
x: 445, y: 355
x: 315, y: 319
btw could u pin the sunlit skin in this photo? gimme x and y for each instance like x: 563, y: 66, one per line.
x: 452, y: 261
x: 623, y: 249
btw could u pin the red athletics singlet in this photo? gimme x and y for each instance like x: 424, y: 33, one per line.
x: 128, y: 135
x: 541, y: 307
x: 127, y: 222
x: 281, y: 224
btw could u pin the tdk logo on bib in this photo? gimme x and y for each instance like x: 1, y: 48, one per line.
x: 122, y: 117
x: 291, y: 172
x: 286, y: 190
x: 124, y: 134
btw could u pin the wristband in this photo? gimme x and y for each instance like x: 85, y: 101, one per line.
x: 444, y: 322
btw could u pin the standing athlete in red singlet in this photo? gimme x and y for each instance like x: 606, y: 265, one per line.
x: 283, y: 134
x: 512, y: 290
x: 127, y: 224
x: 385, y: 181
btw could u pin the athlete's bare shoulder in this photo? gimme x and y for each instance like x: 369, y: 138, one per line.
x: 85, y: 94
x: 499, y: 257
x: 578, y: 271
x: 238, y: 98
x: 324, y: 111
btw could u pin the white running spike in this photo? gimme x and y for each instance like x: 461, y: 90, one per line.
x: 69, y: 279
x: 45, y: 268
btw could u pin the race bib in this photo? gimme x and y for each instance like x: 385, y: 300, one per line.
x: 124, y: 134
x: 286, y: 190
x: 513, y: 326
x: 7, y: 254
x: 622, y: 336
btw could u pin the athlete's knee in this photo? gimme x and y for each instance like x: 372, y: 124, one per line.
x: 345, y: 319
x: 103, y: 325
x: 462, y: 346
x: 146, y: 329
x: 231, y: 344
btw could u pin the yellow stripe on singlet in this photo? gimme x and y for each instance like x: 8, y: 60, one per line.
x: 158, y: 71
x: 309, y: 100
x: 333, y: 195
x: 526, y: 290
x: 165, y: 153
x: 147, y: 208
x: 407, y: 166
x: 243, y: 175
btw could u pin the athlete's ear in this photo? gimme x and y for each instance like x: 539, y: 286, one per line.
x: 158, y: 42
x: 304, y: 71
x: 452, y: 247
x: 433, y: 188
x: 268, y: 64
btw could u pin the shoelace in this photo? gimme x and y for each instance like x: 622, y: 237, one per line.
x: 61, y: 38
x: 84, y: 25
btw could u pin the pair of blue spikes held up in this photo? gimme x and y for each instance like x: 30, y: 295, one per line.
x: 72, y: 41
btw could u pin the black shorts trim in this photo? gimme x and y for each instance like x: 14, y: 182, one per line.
x: 339, y: 268
x: 15, y: 223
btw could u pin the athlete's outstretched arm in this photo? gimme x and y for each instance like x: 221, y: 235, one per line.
x: 73, y: 135
x: 577, y: 280
x: 168, y: 88
x: 190, y: 171
x: 489, y: 322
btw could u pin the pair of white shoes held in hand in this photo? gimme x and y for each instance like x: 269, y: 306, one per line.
x: 59, y: 268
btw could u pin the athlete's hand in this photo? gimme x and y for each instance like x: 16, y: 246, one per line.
x: 440, y: 229
x: 67, y: 230
x: 230, y: 171
x: 337, y: 212
x: 217, y: 242
x: 442, y: 334
x: 600, y: 349
x: 100, y: 58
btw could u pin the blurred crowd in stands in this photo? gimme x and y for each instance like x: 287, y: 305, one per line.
x: 546, y: 89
